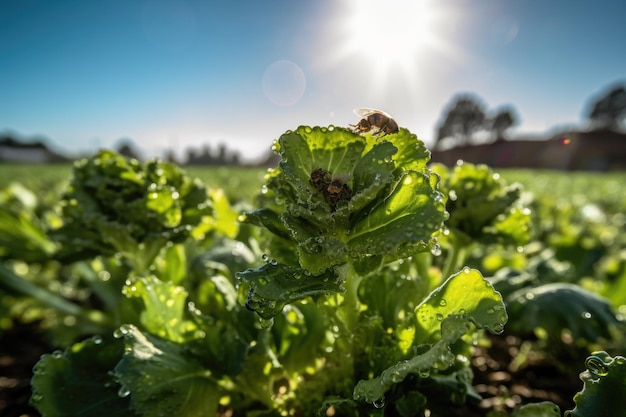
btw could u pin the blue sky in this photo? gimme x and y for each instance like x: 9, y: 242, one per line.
x: 184, y: 73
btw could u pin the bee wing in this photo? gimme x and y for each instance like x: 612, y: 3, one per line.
x: 362, y: 111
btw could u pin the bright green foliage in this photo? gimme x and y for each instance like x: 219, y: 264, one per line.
x: 388, y: 206
x: 163, y: 306
x: 542, y: 409
x: 483, y: 207
x: 157, y: 371
x: 277, y: 284
x: 468, y: 294
x: 116, y: 205
x: 442, y: 318
x: 353, y: 313
x: 78, y: 382
x: 22, y: 231
x: 604, y: 386
x: 552, y: 308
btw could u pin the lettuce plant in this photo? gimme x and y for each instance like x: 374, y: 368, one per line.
x: 115, y: 205
x: 350, y: 218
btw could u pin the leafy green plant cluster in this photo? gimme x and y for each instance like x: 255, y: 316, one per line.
x: 351, y: 287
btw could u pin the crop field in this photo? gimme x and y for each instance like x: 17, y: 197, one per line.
x: 243, y: 182
x: 351, y: 281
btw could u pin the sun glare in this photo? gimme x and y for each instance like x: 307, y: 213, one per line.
x: 395, y: 36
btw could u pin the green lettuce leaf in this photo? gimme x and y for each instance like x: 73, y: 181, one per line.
x: 559, y: 306
x: 465, y: 293
x: 161, y: 378
x: 78, y: 382
x: 541, y: 409
x: 442, y: 318
x: 163, y: 307
x: 274, y: 285
x: 437, y: 356
x: 604, y: 386
x: 483, y: 207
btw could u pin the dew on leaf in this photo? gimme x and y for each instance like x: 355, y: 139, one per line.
x: 423, y: 373
x: 596, y: 366
x: 122, y: 331
x: 379, y: 403
x: 123, y: 392
x: 396, y: 377
x: 497, y: 328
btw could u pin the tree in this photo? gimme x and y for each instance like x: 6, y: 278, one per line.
x: 502, y: 121
x: 465, y: 117
x: 609, y: 110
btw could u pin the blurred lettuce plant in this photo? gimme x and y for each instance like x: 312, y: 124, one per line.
x: 116, y: 205
x: 484, y: 210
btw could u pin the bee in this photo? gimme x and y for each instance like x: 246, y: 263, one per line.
x: 376, y: 121
x: 333, y: 189
x: 320, y: 179
x: 336, y: 191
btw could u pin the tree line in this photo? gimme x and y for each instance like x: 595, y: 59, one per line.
x: 466, y: 121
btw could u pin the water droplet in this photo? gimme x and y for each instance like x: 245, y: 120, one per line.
x: 596, y: 366
x: 122, y: 331
x: 586, y: 315
x: 497, y: 328
x: 396, y: 377
x: 443, y: 302
x: 123, y: 392
x: 97, y: 340
x: 57, y: 354
x: 424, y: 373
x: 38, y: 369
x: 379, y: 403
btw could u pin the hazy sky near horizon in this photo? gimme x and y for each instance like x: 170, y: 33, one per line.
x: 184, y: 73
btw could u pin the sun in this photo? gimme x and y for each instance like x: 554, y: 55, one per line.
x: 392, y: 37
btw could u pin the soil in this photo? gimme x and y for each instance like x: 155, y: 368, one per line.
x: 20, y: 349
x: 502, y: 385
